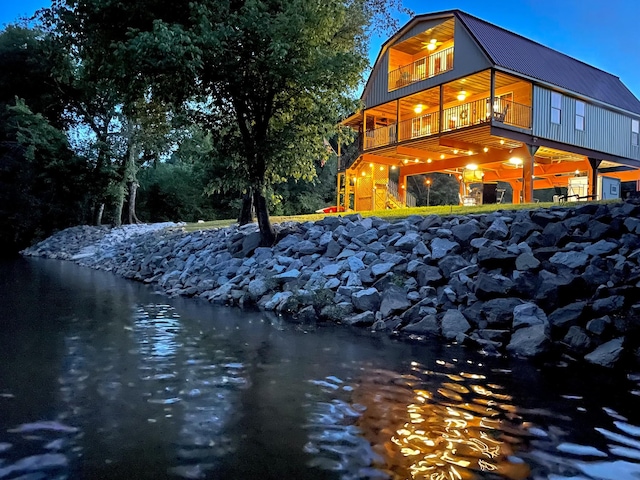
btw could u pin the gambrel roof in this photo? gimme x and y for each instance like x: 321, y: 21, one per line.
x: 521, y: 55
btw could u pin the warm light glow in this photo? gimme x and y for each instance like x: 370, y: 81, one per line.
x: 393, y: 167
x: 428, y: 181
x: 405, y: 161
x: 501, y: 142
x: 470, y: 152
x: 472, y: 166
x: 402, y: 186
x: 371, y: 165
x: 429, y: 160
x: 485, y: 149
x: 442, y: 157
x: 418, y: 108
x: 455, y: 152
x: 459, y: 177
x: 382, y: 169
x: 416, y: 161
x: 364, y: 174
x: 517, y: 161
x: 461, y: 96
x: 577, y: 172
x: 431, y: 46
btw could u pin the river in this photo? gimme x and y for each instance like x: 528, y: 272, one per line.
x: 103, y: 378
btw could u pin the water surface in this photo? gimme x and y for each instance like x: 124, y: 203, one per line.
x: 103, y: 378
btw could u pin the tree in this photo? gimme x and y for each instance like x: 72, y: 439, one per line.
x: 444, y: 189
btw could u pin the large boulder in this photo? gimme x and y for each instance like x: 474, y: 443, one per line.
x: 454, y: 324
x: 567, y: 316
x: 527, y: 315
x: 441, y: 247
x: 364, y: 319
x: 394, y: 299
x: 529, y: 341
x: 577, y: 339
x: 368, y: 299
x: 492, y: 285
x: 427, y: 326
x: 607, y: 354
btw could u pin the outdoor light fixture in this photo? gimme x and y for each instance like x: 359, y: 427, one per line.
x: 371, y: 165
x: 485, y: 149
x: 416, y: 161
x: 461, y: 96
x: 431, y: 46
x: 418, y: 108
x: 381, y: 169
x: 455, y: 151
x: 442, y: 157
x: 471, y: 166
x: 501, y: 142
x: 405, y: 161
x: 577, y: 173
x: 429, y: 160
x: 364, y: 174
x: 517, y: 161
x: 393, y: 167
x: 470, y: 152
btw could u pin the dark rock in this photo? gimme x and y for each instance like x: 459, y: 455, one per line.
x: 567, y: 316
x: 498, y: 230
x: 608, y: 305
x: 496, y: 257
x: 522, y: 229
x: 570, y: 259
x: 528, y: 315
x: 394, y: 299
x: 363, y: 319
x: 595, y: 231
x: 428, y: 275
x: 452, y: 263
x: 577, y: 339
x: 490, y: 286
x: 466, y: 231
x: 500, y: 336
x: 454, y: 323
x: 555, y: 235
x: 427, y: 326
x: 526, y: 261
x: 307, y: 315
x: 441, y: 247
x: 408, y: 241
x: 429, y: 222
x: 365, y: 300
x: 607, y: 354
x: 602, y: 247
x: 498, y: 312
x: 599, y: 326
x: 529, y: 342
x: 333, y: 249
x: 337, y: 312
x: 543, y: 218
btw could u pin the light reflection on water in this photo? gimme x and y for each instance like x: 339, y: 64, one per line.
x: 111, y: 381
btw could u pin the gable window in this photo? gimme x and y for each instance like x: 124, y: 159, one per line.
x: 635, y: 132
x: 580, y: 107
x: 556, y: 107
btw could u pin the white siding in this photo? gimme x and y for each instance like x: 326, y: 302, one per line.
x: 604, y: 130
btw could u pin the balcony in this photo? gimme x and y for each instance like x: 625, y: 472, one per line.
x: 423, y: 68
x: 474, y: 113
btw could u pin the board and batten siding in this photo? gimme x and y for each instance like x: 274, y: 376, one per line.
x: 468, y: 58
x: 604, y: 130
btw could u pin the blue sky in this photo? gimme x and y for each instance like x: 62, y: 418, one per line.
x: 605, y: 34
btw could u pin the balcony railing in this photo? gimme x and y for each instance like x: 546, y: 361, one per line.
x: 380, y: 136
x: 468, y: 114
x: 423, y: 68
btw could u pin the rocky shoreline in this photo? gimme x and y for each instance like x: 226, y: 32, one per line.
x: 558, y: 281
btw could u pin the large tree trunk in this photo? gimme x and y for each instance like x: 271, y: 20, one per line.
x: 246, y: 212
x: 268, y: 236
x: 133, y: 190
x: 117, y: 212
x: 99, y: 213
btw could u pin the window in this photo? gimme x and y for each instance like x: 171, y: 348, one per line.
x: 556, y: 107
x: 580, y: 107
x: 635, y: 132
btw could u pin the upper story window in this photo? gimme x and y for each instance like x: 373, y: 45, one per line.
x: 635, y: 132
x: 580, y: 108
x: 556, y: 107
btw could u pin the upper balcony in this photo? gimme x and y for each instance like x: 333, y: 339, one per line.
x: 422, y: 56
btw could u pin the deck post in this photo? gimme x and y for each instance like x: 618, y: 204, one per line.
x: 527, y: 174
x: 492, y: 93
x: 594, y: 163
x: 440, y: 112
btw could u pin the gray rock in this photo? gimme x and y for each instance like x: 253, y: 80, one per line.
x: 498, y: 230
x: 577, y: 339
x: 570, y: 259
x: 427, y: 275
x: 498, y: 312
x: 363, y: 319
x: 287, y: 276
x: 492, y: 285
x: 332, y: 269
x: 370, y: 236
x: 466, y: 231
x: 408, y: 241
x: 257, y: 288
x: 526, y: 261
x: 529, y: 342
x: 307, y: 315
x: 441, y: 247
x: 567, y: 316
x: 365, y: 300
x: 607, y: 305
x: 381, y: 268
x: 355, y: 264
x: 602, y: 247
x: 527, y: 315
x: 454, y: 323
x: 499, y: 336
x: 607, y: 354
x: 427, y: 326
x: 599, y: 326
x: 452, y: 263
x: 394, y: 299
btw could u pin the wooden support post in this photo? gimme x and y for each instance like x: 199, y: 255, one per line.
x: 594, y: 163
x: 440, y: 119
x: 492, y: 92
x: 527, y: 174
x: 517, y: 191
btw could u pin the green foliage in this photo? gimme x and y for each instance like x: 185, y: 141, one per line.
x: 444, y: 189
x: 41, y: 180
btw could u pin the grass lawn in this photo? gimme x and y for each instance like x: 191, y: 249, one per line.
x: 396, y: 214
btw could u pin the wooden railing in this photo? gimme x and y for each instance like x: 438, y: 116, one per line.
x: 467, y: 114
x: 392, y: 190
x: 423, y: 68
x: 380, y: 136
x: 351, y: 154
x: 422, y: 126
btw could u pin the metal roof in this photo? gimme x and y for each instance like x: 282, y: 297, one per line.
x: 521, y: 55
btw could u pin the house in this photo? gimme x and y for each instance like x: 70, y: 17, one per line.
x: 452, y: 93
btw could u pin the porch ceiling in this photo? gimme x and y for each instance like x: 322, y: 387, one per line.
x: 416, y: 44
